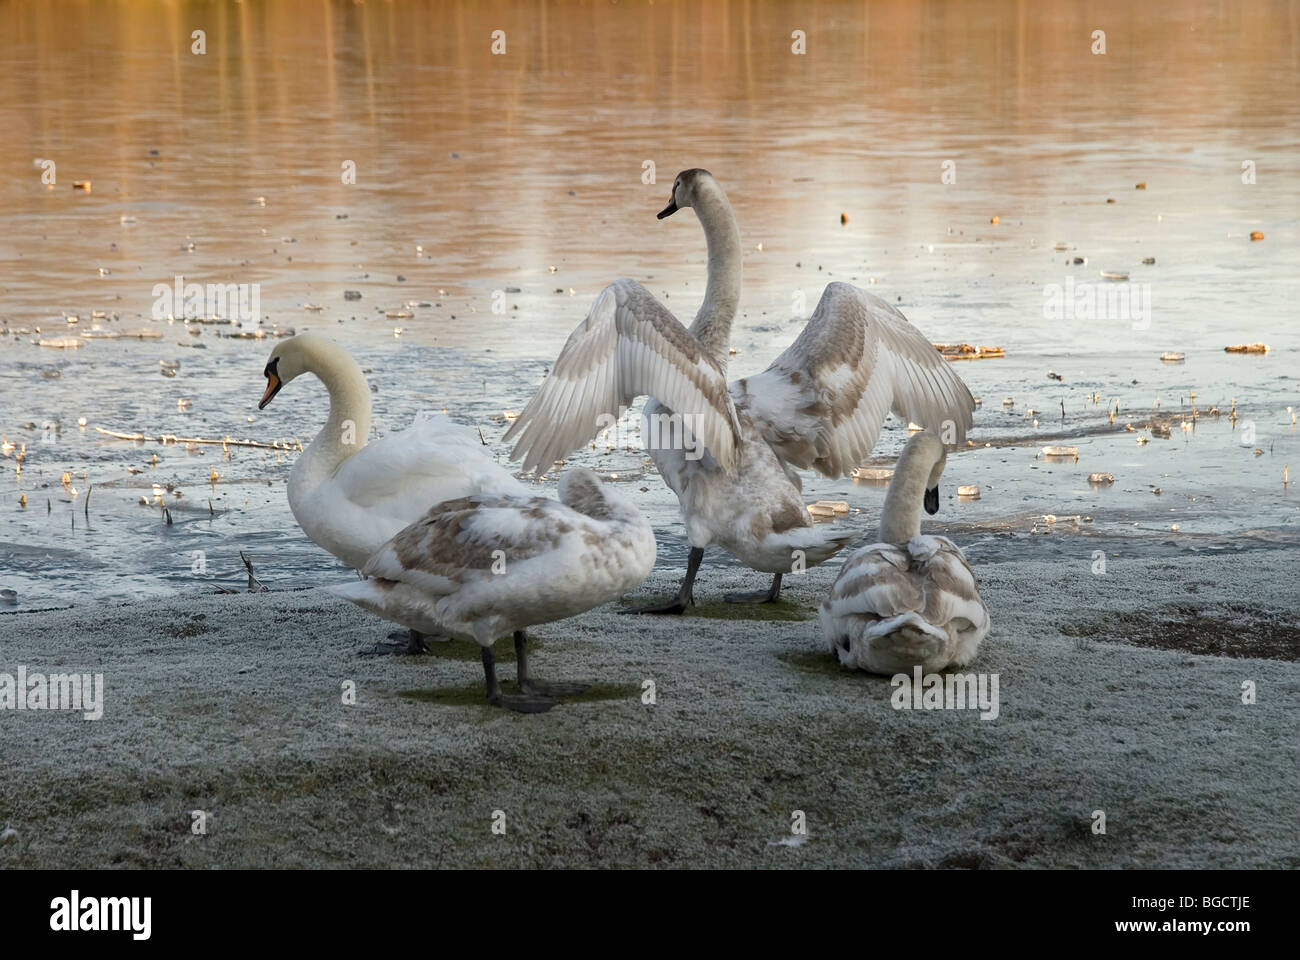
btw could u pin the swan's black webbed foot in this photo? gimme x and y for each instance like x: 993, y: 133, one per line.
x: 536, y: 687
x: 522, y: 703
x: 525, y: 702
x: 685, y: 593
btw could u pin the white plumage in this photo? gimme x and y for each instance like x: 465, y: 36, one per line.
x: 482, y: 567
x: 911, y: 599
x: 349, y: 495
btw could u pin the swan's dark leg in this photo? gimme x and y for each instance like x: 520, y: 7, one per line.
x: 685, y: 593
x: 528, y: 685
x: 522, y: 703
x: 760, y: 596
x: 400, y: 642
x: 416, y: 642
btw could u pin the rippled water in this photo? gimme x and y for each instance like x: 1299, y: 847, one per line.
x: 523, y: 173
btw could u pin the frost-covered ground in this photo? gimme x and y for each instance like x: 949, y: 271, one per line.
x: 232, y: 705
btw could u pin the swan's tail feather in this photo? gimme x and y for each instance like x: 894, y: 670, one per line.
x: 887, y: 646
x: 394, y: 601
x: 815, y: 544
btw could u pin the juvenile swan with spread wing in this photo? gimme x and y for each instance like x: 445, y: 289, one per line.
x: 908, y: 600
x: 820, y: 406
x: 481, y: 567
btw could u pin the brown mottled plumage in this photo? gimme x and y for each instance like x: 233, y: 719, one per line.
x: 910, y: 599
x: 857, y: 359
x: 479, y: 568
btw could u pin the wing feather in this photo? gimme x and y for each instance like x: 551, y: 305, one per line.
x: 822, y: 403
x: 430, y: 461
x: 629, y: 346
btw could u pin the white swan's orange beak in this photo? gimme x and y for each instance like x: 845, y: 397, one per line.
x: 272, y: 383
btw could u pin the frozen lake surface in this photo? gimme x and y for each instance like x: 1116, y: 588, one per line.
x: 521, y: 176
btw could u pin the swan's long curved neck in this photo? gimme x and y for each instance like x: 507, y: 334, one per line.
x: 712, y: 326
x: 900, y: 520
x: 348, y: 426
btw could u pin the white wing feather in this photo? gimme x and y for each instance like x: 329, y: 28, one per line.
x: 407, y: 472
x: 629, y: 346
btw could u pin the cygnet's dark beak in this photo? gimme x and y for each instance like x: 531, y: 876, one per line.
x: 932, y: 501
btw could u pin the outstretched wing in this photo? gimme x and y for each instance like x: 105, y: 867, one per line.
x: 822, y: 403
x: 629, y: 346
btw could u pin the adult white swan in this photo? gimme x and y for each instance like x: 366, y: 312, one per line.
x: 910, y: 599
x: 479, y: 568
x: 820, y: 405
x: 350, y: 496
